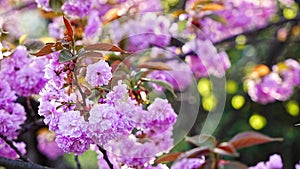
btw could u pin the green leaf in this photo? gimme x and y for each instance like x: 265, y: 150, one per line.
x: 163, y: 84
x: 203, y: 141
x: 65, y: 56
x: 217, y: 18
x: 55, y: 5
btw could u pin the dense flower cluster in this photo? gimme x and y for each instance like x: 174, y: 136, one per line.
x: 28, y: 71
x: 114, y: 121
x: 277, y: 85
x: 12, y: 116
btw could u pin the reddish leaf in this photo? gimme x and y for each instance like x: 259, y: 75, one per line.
x: 250, y: 138
x: 226, y: 149
x: 69, y: 28
x: 48, y: 48
x: 155, y: 66
x: 105, y: 47
x: 195, y: 153
x: 168, y: 158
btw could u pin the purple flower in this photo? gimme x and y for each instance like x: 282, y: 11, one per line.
x: 275, y: 162
x: 103, y: 121
x: 160, y: 116
x: 47, y: 145
x: 8, y: 152
x: 72, y: 124
x: 98, y: 74
x: 189, y: 163
x: 93, y: 27
x: 297, y: 166
x: 77, y: 8
x: 44, y: 4
x: 76, y: 145
x: 214, y: 63
x: 30, y: 81
x: 7, y: 96
x: 10, y: 120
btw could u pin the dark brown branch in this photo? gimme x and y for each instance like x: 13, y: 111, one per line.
x: 31, y: 111
x: 17, y: 164
x: 77, y: 162
x: 255, y: 31
x: 11, y: 144
x: 105, y: 157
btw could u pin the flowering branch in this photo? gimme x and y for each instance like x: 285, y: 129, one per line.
x: 105, y: 157
x: 78, y: 86
x: 11, y: 144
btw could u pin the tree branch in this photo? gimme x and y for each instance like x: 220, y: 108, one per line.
x: 254, y: 32
x: 11, y: 144
x: 105, y: 157
x: 17, y: 164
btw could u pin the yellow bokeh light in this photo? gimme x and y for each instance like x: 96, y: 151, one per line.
x: 291, y: 12
x: 257, y: 121
x: 292, y: 108
x: 209, y: 103
x: 241, y: 40
x: 204, y: 87
x: 237, y: 101
x: 231, y: 87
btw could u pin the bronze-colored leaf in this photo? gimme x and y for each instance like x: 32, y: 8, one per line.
x: 69, y: 28
x: 250, y: 138
x: 168, y: 158
x: 195, y: 153
x: 226, y: 149
x: 105, y: 47
x: 155, y: 66
x: 48, y: 48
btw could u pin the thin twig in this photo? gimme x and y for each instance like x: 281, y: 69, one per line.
x: 17, y: 164
x: 78, y: 86
x: 77, y: 162
x: 105, y: 157
x: 11, y: 144
x: 255, y: 31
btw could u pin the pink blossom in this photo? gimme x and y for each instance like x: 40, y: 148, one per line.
x: 98, y: 74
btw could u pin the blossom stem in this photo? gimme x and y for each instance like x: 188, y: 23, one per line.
x: 31, y: 111
x: 105, y: 157
x: 78, y: 86
x: 77, y: 162
x: 10, y: 143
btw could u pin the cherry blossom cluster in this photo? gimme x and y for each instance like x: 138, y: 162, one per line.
x: 12, y: 116
x: 277, y: 85
x: 112, y: 120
